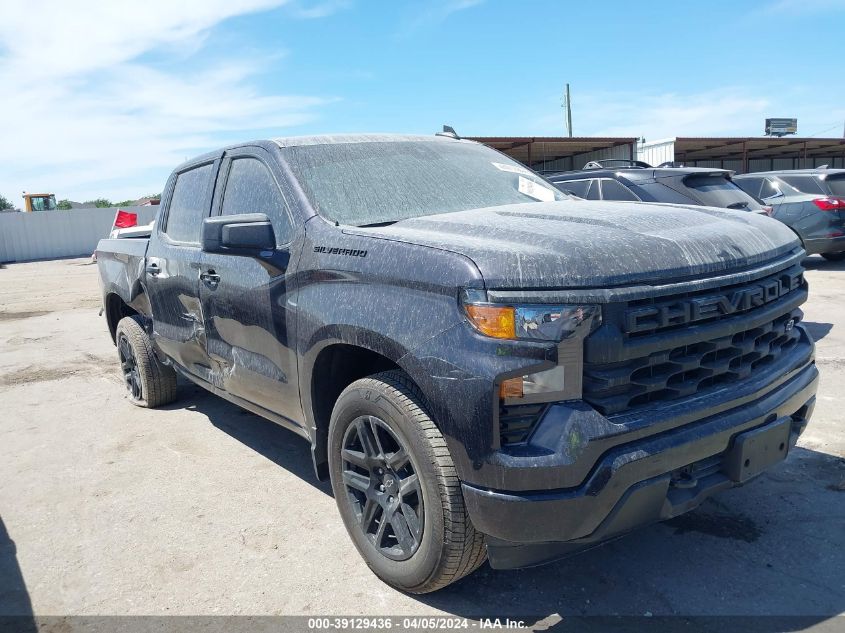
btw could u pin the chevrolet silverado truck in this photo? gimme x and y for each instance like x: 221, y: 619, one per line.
x: 485, y: 367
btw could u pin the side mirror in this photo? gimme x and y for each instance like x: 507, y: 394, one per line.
x: 248, y: 235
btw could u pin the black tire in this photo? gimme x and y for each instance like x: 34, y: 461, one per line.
x: 834, y: 257
x: 149, y: 382
x: 447, y: 547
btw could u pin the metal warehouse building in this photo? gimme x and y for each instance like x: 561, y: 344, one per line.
x: 746, y: 154
x: 560, y: 153
x: 743, y: 154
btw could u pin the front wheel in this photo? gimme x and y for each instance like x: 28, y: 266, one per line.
x: 834, y: 257
x: 396, y: 488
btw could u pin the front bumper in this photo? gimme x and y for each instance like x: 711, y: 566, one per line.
x: 817, y: 246
x: 638, y: 482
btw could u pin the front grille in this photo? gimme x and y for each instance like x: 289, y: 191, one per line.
x: 665, y: 314
x: 685, y: 370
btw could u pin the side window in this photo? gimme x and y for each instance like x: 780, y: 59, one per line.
x: 805, y: 184
x: 770, y: 188
x: 577, y: 187
x: 751, y: 186
x: 250, y: 188
x: 593, y: 193
x: 614, y: 190
x: 189, y: 204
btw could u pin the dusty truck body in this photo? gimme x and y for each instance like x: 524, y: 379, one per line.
x: 483, y: 366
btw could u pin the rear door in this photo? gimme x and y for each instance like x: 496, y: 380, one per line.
x: 172, y: 268
x: 249, y: 314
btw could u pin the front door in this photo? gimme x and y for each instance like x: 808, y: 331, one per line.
x: 172, y: 268
x: 248, y: 319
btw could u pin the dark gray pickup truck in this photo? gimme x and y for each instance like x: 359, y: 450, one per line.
x: 483, y: 366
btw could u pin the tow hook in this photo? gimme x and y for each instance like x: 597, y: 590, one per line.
x: 683, y: 480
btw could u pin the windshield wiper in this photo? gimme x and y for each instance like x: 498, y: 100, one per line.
x: 738, y: 205
x: 373, y: 224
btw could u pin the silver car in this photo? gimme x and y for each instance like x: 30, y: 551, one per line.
x: 809, y: 201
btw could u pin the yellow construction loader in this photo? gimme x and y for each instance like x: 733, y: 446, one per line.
x: 39, y: 201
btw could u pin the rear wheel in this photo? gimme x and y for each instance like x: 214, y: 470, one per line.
x: 396, y: 487
x: 149, y: 383
x: 834, y: 257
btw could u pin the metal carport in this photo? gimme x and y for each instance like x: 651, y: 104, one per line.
x: 560, y: 153
x: 747, y: 154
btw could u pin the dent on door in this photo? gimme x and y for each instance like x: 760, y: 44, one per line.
x: 247, y: 337
x: 249, y: 364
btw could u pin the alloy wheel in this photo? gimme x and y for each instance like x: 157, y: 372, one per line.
x: 129, y: 366
x: 383, y: 487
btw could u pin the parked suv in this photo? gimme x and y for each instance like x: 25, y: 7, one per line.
x: 809, y: 201
x: 639, y: 181
x: 482, y: 365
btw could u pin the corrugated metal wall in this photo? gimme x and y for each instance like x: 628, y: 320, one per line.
x: 656, y: 153
x: 769, y: 164
x: 765, y: 164
x: 577, y: 161
x: 51, y: 234
x: 664, y: 151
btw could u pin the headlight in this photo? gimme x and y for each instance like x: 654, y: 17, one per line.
x: 532, y: 322
x: 565, y: 324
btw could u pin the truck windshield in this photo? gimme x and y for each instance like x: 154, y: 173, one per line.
x: 370, y: 183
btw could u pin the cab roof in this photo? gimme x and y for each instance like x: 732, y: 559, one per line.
x: 331, y: 139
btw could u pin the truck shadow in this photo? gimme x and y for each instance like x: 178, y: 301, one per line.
x: 817, y: 330
x: 15, y: 606
x: 817, y: 262
x: 769, y: 548
x: 281, y: 446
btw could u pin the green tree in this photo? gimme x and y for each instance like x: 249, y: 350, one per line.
x: 64, y: 205
x: 125, y: 203
x: 5, y: 204
x: 100, y: 203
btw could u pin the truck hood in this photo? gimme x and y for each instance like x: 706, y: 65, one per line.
x: 591, y: 244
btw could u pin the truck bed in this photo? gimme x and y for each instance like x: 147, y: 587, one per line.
x: 121, y: 263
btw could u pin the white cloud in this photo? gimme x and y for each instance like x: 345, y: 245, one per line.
x: 95, y: 104
x: 435, y: 12
x: 318, y: 9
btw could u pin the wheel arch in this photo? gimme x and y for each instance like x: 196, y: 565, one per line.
x: 115, y: 309
x: 336, y: 365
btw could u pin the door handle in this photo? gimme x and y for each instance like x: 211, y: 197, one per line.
x: 153, y: 269
x: 210, y: 277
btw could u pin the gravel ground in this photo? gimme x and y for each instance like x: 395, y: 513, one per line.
x: 202, y: 508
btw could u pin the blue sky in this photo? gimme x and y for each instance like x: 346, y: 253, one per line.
x: 103, y: 98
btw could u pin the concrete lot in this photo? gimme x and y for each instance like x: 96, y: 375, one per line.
x: 202, y: 508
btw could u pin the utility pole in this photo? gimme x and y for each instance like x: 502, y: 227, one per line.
x: 567, y: 103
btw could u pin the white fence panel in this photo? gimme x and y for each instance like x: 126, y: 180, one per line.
x: 51, y: 234
x: 657, y: 152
